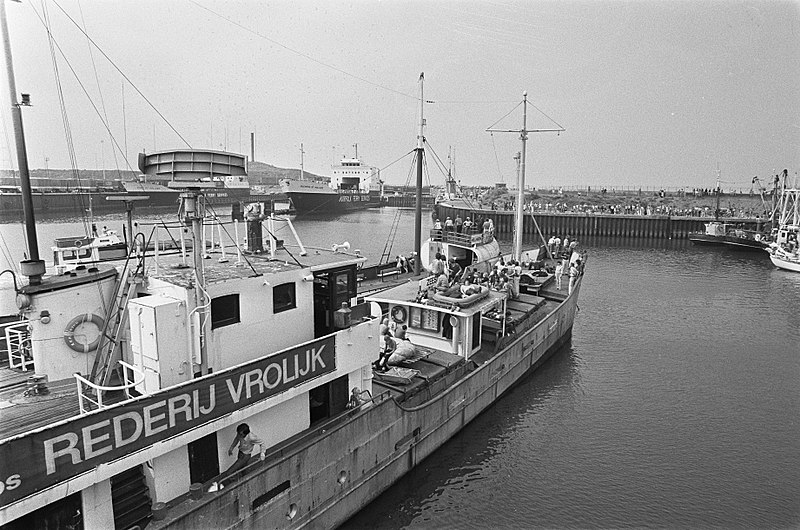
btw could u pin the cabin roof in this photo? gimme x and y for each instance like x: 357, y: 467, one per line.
x: 287, y: 258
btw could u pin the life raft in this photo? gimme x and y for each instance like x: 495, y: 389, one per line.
x: 69, y: 332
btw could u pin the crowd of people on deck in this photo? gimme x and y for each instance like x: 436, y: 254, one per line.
x: 465, y: 226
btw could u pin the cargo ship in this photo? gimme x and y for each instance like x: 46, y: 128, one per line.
x: 353, y: 186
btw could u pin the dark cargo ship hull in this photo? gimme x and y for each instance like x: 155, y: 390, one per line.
x: 323, y: 203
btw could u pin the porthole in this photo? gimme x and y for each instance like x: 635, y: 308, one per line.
x: 342, y: 477
x: 292, y: 513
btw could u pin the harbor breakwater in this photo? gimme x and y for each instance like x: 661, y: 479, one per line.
x: 577, y: 224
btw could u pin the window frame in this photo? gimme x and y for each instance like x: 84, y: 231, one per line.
x: 285, y: 306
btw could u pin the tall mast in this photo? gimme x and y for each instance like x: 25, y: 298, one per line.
x: 420, y: 152
x: 33, y: 268
x: 302, y: 171
x: 717, y: 192
x: 523, y: 135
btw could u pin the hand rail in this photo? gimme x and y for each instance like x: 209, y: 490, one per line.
x: 99, y: 389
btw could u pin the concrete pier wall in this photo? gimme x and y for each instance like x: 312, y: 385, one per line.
x: 584, y: 224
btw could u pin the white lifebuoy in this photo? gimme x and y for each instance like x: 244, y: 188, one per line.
x: 69, y: 332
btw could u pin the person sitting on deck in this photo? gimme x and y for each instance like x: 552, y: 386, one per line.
x: 437, y: 225
x: 442, y: 284
x: 383, y: 357
x: 469, y: 288
x: 455, y: 270
x: 404, y: 349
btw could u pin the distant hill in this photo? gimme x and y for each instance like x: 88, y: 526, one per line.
x: 269, y: 175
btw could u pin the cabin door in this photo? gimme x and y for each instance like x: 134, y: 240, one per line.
x: 331, y: 289
x: 203, y: 459
x: 329, y: 399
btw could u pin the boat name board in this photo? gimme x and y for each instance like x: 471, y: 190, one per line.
x: 43, y: 458
x: 354, y: 198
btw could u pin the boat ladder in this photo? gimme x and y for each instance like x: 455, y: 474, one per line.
x: 108, y: 350
x: 387, y: 247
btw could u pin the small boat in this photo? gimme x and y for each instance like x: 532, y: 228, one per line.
x: 731, y: 235
x: 784, y: 251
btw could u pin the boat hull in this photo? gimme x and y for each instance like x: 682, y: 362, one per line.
x: 326, y: 476
x: 733, y: 242
x: 326, y: 203
x: 74, y: 203
x: 784, y: 263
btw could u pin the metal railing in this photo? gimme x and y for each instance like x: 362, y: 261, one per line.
x: 18, y: 346
x: 85, y: 401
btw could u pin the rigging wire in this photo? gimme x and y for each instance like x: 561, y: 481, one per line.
x: 123, y: 75
x: 301, y: 54
x: 99, y: 90
x: 86, y: 93
x: 497, y: 159
x: 64, y: 115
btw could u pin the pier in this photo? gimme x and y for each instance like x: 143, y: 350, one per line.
x: 594, y: 224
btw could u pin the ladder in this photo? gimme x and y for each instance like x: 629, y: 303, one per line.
x: 116, y: 318
x: 387, y: 247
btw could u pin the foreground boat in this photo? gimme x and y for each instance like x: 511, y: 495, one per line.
x: 128, y: 383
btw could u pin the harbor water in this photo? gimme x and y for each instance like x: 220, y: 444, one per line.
x: 676, y: 405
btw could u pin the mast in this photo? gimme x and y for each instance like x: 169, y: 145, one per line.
x: 717, y: 191
x: 302, y: 171
x: 418, y: 210
x: 523, y: 135
x: 33, y: 268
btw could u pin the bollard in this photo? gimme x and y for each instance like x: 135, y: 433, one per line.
x: 159, y: 511
x: 196, y: 491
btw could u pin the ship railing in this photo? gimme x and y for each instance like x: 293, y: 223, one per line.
x: 90, y: 395
x: 18, y: 345
x: 364, y: 400
x: 466, y: 239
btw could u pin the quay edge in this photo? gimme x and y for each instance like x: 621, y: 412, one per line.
x: 591, y: 224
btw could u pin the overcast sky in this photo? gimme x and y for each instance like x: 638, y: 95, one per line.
x: 650, y: 93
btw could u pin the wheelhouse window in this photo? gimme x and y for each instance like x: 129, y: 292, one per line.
x: 283, y: 297
x: 224, y: 311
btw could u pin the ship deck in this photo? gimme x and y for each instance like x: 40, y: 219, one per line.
x: 434, y: 370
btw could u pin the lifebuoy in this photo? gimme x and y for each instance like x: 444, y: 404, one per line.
x: 69, y: 332
x: 78, y: 243
x: 399, y: 314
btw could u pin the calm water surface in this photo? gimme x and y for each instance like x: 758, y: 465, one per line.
x: 675, y: 406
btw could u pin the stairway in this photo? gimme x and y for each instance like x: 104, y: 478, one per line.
x: 130, y: 498
x: 116, y: 318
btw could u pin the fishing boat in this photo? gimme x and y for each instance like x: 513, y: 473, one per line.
x: 730, y: 235
x: 134, y: 385
x: 353, y: 186
x: 784, y: 251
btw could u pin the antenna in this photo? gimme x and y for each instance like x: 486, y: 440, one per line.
x: 523, y: 135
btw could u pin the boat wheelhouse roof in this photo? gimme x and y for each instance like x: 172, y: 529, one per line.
x: 286, y: 258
